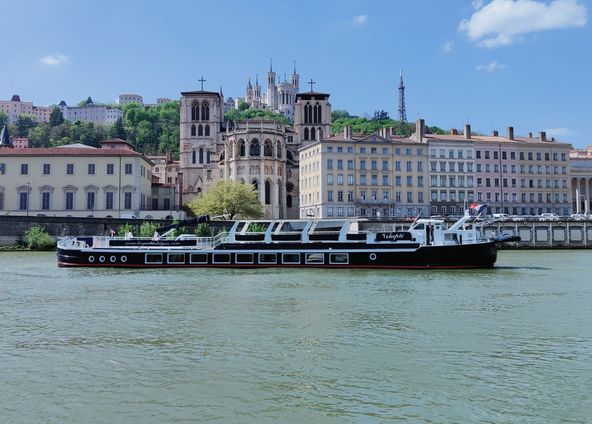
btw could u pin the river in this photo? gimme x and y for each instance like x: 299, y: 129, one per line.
x: 511, y: 344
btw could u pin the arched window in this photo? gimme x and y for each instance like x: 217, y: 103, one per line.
x: 320, y: 133
x: 208, y: 156
x: 199, y: 130
x: 306, y: 114
x: 194, y: 111
x: 267, y: 149
x: 242, y: 148
x: 199, y: 191
x: 312, y: 134
x: 319, y: 114
x: 267, y: 192
x: 200, y: 155
x: 255, y: 185
x: 255, y: 149
x: 193, y: 157
x: 289, y: 200
x: 306, y: 133
x: 205, y: 111
x: 315, y: 114
x: 309, y: 114
x: 278, y: 152
x: 207, y: 130
x: 279, y: 188
x: 193, y: 130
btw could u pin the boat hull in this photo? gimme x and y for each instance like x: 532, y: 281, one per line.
x: 479, y: 255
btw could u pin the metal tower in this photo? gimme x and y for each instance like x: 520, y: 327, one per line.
x: 402, y: 112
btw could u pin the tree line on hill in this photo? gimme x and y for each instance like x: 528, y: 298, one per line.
x: 155, y: 130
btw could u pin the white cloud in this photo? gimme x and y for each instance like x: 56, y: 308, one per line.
x: 491, y: 67
x: 448, y: 47
x: 56, y: 59
x: 559, y: 132
x: 503, y: 22
x: 360, y: 20
x: 477, y: 4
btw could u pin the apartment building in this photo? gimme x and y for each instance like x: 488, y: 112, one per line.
x: 97, y: 114
x: 74, y: 180
x: 377, y: 175
x: 14, y: 108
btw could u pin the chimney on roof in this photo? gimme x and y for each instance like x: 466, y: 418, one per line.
x: 467, y: 133
x: 495, y: 133
x: 510, y: 133
x: 15, y: 98
x: 530, y: 134
x: 543, y: 136
x: 420, y: 130
x: 552, y: 138
x: 347, y: 132
x: 453, y: 131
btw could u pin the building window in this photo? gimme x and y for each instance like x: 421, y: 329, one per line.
x: 24, y: 168
x: 91, y: 169
x: 70, y: 169
x: 23, y: 201
x: 45, y: 198
x: 1, y: 200
x: 69, y: 200
x: 90, y: 200
x: 128, y: 169
x: 109, y: 196
x: 193, y: 130
x: 110, y: 169
x: 46, y: 169
x: 127, y: 200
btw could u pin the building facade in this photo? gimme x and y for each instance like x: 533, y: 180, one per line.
x: 124, y: 99
x: 74, y: 180
x: 14, y: 108
x: 97, y: 114
x: 377, y: 175
x: 581, y: 180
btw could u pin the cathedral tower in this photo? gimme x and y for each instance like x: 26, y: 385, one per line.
x: 271, y: 88
x: 312, y: 116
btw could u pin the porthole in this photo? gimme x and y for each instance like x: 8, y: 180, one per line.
x: 101, y: 259
x: 112, y: 259
x: 91, y: 259
x: 124, y: 258
x: 372, y: 256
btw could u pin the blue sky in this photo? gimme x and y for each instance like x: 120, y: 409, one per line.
x: 525, y: 63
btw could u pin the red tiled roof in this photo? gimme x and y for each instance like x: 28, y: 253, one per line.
x: 67, y: 151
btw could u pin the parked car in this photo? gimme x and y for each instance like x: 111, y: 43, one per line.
x: 578, y: 217
x: 548, y: 216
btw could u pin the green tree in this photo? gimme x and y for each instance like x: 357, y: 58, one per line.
x: 38, y: 239
x: 235, y: 199
x: 339, y: 114
x: 117, y: 130
x: 40, y: 136
x: 203, y: 230
x: 124, y: 229
x: 56, y: 117
x: 147, y: 229
x: 24, y: 123
x: 3, y: 119
x: 380, y: 115
x: 243, y: 106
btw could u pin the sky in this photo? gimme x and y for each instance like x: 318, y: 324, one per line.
x: 491, y: 63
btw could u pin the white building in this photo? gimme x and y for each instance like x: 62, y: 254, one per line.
x: 125, y: 99
x: 97, y: 114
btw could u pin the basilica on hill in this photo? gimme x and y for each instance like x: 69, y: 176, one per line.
x: 258, y: 151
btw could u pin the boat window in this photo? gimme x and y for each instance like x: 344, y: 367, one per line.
x: 329, y: 226
x: 267, y: 258
x: 418, y: 227
x: 257, y: 227
x: 244, y: 258
x: 154, y: 258
x: 315, y: 258
x: 221, y: 258
x: 176, y: 258
x: 198, y: 258
x: 291, y: 258
x: 292, y: 227
x: 339, y: 258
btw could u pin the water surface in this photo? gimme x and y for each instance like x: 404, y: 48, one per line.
x: 512, y: 344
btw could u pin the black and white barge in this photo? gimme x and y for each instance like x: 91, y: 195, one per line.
x: 294, y: 243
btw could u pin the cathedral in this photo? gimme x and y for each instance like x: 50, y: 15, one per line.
x: 258, y: 151
x: 279, y: 97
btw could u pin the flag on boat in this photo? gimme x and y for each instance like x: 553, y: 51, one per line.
x: 478, y: 207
